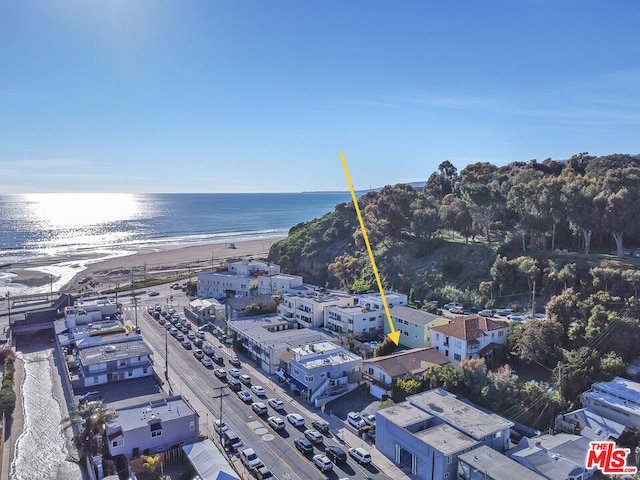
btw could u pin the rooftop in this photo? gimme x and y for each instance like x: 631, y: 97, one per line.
x: 243, y: 302
x: 404, y: 414
x: 412, y: 361
x: 468, y: 419
x: 389, y: 296
x: 446, y: 439
x: 323, y: 353
x: 319, y: 296
x: 470, y: 327
x: 413, y: 315
x: 257, y: 329
x: 113, y: 352
x: 137, y: 416
x: 497, y: 465
x: 620, y: 387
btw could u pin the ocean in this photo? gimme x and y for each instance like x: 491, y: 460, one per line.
x: 54, y: 226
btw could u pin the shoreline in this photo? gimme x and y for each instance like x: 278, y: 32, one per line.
x: 161, y: 261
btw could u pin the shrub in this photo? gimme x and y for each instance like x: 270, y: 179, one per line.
x: 452, y: 268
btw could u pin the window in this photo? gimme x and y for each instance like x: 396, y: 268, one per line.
x: 96, y: 379
x: 123, y: 363
x: 498, y: 434
x: 449, y: 459
x: 457, y: 357
x: 156, y: 429
x: 130, y: 373
x: 501, y: 333
x: 493, y: 334
x: 192, y: 425
x: 437, y: 336
x: 144, y: 370
x: 459, y: 343
x: 118, y: 443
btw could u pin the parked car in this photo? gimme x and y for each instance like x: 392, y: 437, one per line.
x: 503, y: 312
x: 258, y: 390
x: 231, y: 440
x: 360, y: 454
x: 220, y: 373
x: 199, y: 354
x: 369, y: 419
x: 234, y: 384
x: 250, y: 458
x: 335, y: 454
x: 516, y: 317
x: 457, y: 310
x: 313, y: 436
x: 321, y: 425
x: 219, y: 426
x: 244, y: 396
x: 235, y: 362
x: 303, y: 445
x: 276, y: 403
x: 322, y: 462
x: 486, y: 313
x: 246, y: 379
x: 259, y: 407
x: 187, y: 344
x: 208, y: 349
x: 262, y: 473
x: 296, y: 419
x: 200, y: 334
x: 90, y: 396
x: 276, y: 423
x: 451, y: 305
x: 234, y: 372
x: 355, y: 420
x: 206, y: 361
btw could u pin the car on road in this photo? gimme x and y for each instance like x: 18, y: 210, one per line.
x: 199, y: 354
x: 503, y: 312
x: 321, y: 425
x: 303, y: 445
x: 90, y: 396
x: 355, y: 420
x: 154, y: 293
x: 173, y: 331
x: 208, y: 349
x: 258, y: 390
x: 216, y: 357
x: 168, y: 326
x: 234, y: 384
x: 220, y: 373
x: 313, y: 436
x: 322, y: 462
x: 246, y: 379
x: 200, y: 334
x: 516, y: 317
x: 198, y: 343
x: 451, y: 305
x: 191, y: 336
x: 244, y: 396
x: 486, y: 313
x: 259, y: 407
x: 250, y: 458
x: 457, y: 310
x: 276, y: 403
x: 335, y: 454
x: 295, y: 419
x: 179, y: 336
x: 262, y: 473
x: 235, y: 362
x: 360, y: 454
x: 234, y: 372
x: 187, y: 344
x: 276, y: 423
x: 206, y: 361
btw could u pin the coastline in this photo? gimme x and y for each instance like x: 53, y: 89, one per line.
x: 164, y: 262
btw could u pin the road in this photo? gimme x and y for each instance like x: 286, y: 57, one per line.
x: 188, y: 376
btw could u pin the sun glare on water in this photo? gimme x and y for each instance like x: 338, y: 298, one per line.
x: 62, y: 210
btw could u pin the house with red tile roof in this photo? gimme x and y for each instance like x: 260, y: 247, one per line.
x: 469, y: 337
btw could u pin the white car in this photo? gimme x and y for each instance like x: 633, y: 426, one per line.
x: 207, y: 362
x: 313, y: 436
x: 250, y: 459
x: 516, y: 317
x: 234, y: 372
x: 355, y: 420
x: 322, y: 462
x: 220, y: 372
x: 258, y: 390
x: 276, y: 403
x: 360, y: 454
x: 276, y: 423
x: 296, y: 419
x: 259, y: 407
x: 369, y: 419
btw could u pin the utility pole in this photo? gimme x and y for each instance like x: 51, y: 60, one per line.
x: 166, y: 355
x: 533, y: 301
x: 220, y: 417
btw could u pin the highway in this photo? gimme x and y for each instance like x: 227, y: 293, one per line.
x: 189, y: 377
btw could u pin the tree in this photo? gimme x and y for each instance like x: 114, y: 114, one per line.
x: 474, y: 376
x: 548, y: 204
x: 578, y: 194
x: 441, y: 183
x: 454, y: 214
x: 151, y: 464
x: 540, y: 342
x: 563, y: 309
x: 522, y: 198
x: 577, y: 370
x: 385, y: 348
x: 346, y: 269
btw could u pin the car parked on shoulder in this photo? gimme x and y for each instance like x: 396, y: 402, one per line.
x: 258, y: 390
x: 457, y: 310
x: 303, y: 445
x: 295, y: 419
x: 321, y: 425
x: 369, y: 419
x: 220, y: 373
x: 262, y: 473
x: 244, y: 396
x: 250, y: 458
x: 276, y: 423
x: 234, y: 384
x: 313, y: 436
x: 246, y: 379
x: 322, y: 462
x: 355, y: 420
x: 360, y: 454
x: 206, y: 361
x: 234, y: 372
x: 276, y: 403
x: 335, y: 454
x: 235, y: 362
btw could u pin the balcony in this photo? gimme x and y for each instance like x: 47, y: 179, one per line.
x: 370, y: 378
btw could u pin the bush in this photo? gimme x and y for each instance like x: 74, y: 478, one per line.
x: 452, y: 268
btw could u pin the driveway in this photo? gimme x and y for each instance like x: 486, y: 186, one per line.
x: 355, y: 401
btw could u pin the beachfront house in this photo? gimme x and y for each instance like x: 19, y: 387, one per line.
x: 235, y: 278
x: 114, y: 362
x: 150, y: 428
x: 284, y: 283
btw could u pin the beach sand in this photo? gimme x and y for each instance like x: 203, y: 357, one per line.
x: 162, y: 262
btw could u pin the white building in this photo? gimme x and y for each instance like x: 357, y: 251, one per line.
x: 285, y: 283
x: 353, y: 319
x: 236, y: 277
x: 308, y: 307
x: 617, y: 400
x: 469, y: 337
x: 325, y: 370
x: 89, y: 311
x: 373, y: 301
x: 114, y: 362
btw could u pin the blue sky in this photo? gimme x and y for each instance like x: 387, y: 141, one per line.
x: 254, y: 96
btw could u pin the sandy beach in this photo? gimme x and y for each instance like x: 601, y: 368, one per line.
x: 165, y: 262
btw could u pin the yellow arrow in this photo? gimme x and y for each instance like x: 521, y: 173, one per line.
x: 395, y: 334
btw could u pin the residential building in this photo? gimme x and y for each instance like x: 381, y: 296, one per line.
x: 208, y: 462
x: 373, y: 301
x: 284, y: 283
x: 415, y: 325
x: 589, y: 424
x: 89, y: 311
x: 555, y: 457
x: 267, y: 337
x: 150, y: 428
x: 235, y: 278
x: 617, y: 400
x: 380, y: 372
x: 353, y: 319
x: 428, y: 432
x: 249, y: 306
x: 307, y: 307
x: 469, y: 337
x: 202, y: 311
x: 114, y: 362
x: 484, y: 463
x: 323, y: 369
